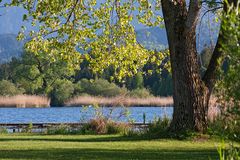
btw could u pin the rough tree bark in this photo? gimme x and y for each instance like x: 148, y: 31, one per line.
x: 191, y: 91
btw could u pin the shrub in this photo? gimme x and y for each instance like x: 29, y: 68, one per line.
x: 99, y: 87
x: 99, y: 125
x: 60, y: 129
x: 9, y: 89
x: 3, y: 130
x: 28, y: 129
x: 232, y: 153
x: 139, y: 93
x: 105, y: 126
x: 118, y: 128
x: 158, y: 127
x: 62, y: 90
x: 225, y: 127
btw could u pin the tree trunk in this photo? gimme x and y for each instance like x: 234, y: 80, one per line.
x: 190, y: 94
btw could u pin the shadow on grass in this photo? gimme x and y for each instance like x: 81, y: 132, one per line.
x: 108, y: 154
x: 76, y: 139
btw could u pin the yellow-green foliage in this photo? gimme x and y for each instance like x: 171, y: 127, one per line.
x: 103, y: 32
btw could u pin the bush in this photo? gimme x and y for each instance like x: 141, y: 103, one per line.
x: 105, y: 126
x: 61, y: 129
x: 28, y: 129
x: 225, y: 127
x: 158, y: 128
x: 9, y: 89
x: 3, y: 130
x: 118, y: 128
x: 62, y: 90
x: 99, y: 87
x: 98, y: 126
x: 232, y: 153
x: 139, y: 93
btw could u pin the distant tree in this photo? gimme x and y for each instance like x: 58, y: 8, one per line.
x: 163, y: 86
x: 84, y: 71
x: 99, y: 87
x: 205, y: 57
x: 61, y: 91
x: 135, y: 82
x: 9, y: 89
x: 4, y: 71
x: 38, y: 73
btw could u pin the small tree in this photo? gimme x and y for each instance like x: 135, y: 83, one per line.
x: 9, y: 89
x: 62, y: 91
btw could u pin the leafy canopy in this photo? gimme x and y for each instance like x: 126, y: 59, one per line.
x: 67, y: 27
x: 230, y: 85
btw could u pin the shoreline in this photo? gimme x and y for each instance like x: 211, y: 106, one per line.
x: 146, y: 106
x: 34, y: 101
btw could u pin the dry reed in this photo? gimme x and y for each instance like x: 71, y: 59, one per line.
x: 24, y: 101
x: 120, y: 101
x: 213, y: 111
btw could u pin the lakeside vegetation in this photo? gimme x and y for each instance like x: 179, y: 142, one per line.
x: 24, y: 101
x: 37, y: 75
x: 120, y: 101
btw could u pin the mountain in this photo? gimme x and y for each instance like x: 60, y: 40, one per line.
x: 9, y: 47
x: 152, y: 38
x: 156, y: 37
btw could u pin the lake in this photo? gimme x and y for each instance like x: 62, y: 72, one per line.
x: 80, y: 114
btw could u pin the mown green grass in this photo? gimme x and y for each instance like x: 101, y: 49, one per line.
x: 104, y: 147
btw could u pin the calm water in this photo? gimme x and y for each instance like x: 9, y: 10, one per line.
x: 80, y: 114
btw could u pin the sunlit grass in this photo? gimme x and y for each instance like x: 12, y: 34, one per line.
x: 41, y: 147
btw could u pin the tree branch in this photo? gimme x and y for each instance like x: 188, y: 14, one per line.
x: 207, y: 2
x: 209, y: 10
x: 193, y: 14
x: 209, y: 77
x: 72, y: 11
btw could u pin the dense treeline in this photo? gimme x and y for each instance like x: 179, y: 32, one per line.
x: 39, y: 75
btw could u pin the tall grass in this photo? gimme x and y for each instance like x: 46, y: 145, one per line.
x: 23, y: 101
x: 214, y: 110
x: 120, y: 101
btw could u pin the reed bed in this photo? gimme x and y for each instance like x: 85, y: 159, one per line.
x: 24, y: 101
x: 120, y: 101
x: 213, y: 111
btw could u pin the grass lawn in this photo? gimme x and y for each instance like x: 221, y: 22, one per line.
x: 105, y: 147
